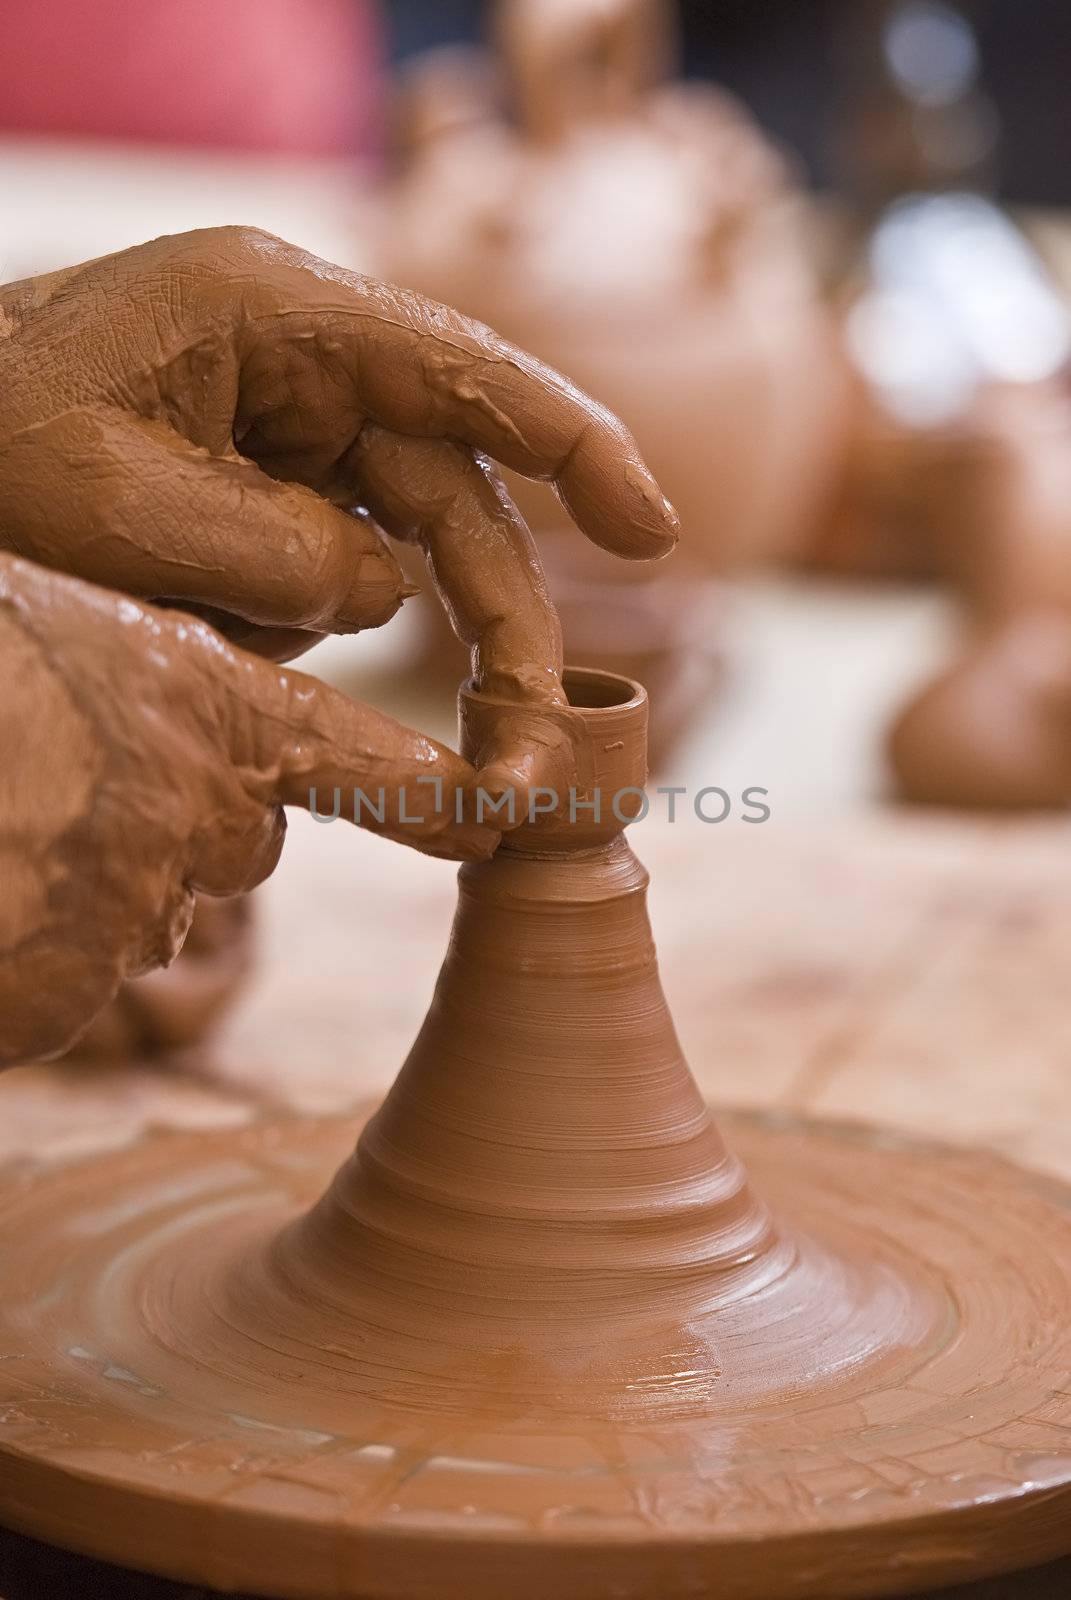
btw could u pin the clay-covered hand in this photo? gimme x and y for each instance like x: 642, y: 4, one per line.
x: 214, y: 419
x: 177, y: 1007
x: 145, y: 757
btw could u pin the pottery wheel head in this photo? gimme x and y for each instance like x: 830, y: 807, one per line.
x: 144, y: 1422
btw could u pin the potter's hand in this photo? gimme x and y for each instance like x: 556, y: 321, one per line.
x: 179, y: 1006
x: 166, y: 411
x: 145, y: 757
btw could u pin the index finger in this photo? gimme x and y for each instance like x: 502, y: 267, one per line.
x: 423, y: 369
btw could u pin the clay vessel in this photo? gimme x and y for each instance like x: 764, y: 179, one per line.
x: 993, y: 732
x: 980, y: 501
x: 661, y: 625
x: 996, y: 492
x: 682, y: 295
x: 541, y: 1334
x: 544, y: 1176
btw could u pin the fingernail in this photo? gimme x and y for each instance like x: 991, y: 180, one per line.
x: 670, y: 521
x: 376, y: 592
x: 667, y: 524
x: 498, y: 780
x: 658, y: 516
x: 504, y: 772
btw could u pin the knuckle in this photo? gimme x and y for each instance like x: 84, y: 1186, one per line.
x: 239, y: 241
x: 160, y: 938
x: 327, y: 571
x: 241, y: 251
x: 266, y: 848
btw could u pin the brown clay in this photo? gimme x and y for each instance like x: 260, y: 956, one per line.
x: 207, y: 421
x: 995, y: 491
x: 541, y: 1334
x: 155, y: 760
x: 980, y: 502
x: 994, y: 730
x: 178, y: 1006
x: 684, y: 298
x: 661, y: 625
x: 167, y: 411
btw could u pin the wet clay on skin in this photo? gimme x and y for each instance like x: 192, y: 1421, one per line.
x: 544, y: 1332
x: 179, y: 1006
x: 211, y: 422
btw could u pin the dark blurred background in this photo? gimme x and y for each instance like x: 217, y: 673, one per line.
x: 787, y: 58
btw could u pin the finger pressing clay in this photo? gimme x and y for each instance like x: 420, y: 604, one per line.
x: 174, y: 416
x: 153, y: 759
x: 483, y: 559
x: 488, y: 573
x: 547, y: 1330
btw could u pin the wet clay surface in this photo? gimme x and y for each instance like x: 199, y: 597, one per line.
x: 169, y: 408
x: 964, y: 892
x: 163, y: 756
x: 541, y: 1333
x: 204, y: 438
x: 896, y: 1460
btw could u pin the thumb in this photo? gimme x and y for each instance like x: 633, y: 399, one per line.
x: 296, y: 741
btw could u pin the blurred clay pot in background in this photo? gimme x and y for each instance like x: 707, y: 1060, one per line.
x: 996, y: 492
x: 179, y: 1006
x: 642, y: 239
x: 994, y: 731
x: 982, y: 502
x: 660, y: 626
x: 992, y: 497
x: 880, y: 525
